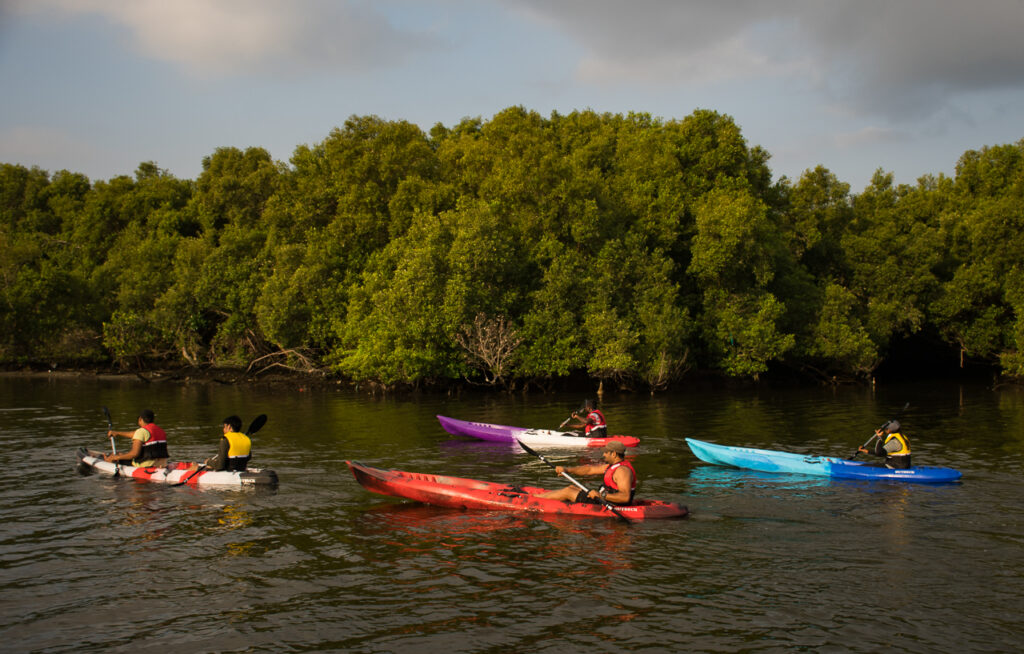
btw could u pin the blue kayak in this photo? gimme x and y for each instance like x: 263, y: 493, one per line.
x: 822, y: 466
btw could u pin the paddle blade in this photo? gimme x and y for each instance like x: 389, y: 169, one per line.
x: 527, y: 449
x: 256, y: 424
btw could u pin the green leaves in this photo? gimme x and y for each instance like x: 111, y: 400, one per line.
x: 516, y: 250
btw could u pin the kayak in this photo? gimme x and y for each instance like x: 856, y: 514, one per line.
x: 460, y: 493
x: 824, y: 466
x: 541, y: 437
x: 178, y: 472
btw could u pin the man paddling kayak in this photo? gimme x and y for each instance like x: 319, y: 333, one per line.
x: 891, y: 444
x: 149, y: 443
x: 617, y: 487
x: 590, y: 418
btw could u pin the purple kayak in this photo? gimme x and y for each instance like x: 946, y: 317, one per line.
x: 533, y: 437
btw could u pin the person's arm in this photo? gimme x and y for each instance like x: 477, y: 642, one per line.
x: 893, y: 445
x: 220, y: 461
x: 126, y: 456
x: 123, y: 434
x: 879, y: 449
x: 593, y: 469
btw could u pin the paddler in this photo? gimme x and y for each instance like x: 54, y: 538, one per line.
x: 590, y: 418
x: 235, y: 448
x: 617, y: 487
x: 149, y: 443
x: 891, y: 444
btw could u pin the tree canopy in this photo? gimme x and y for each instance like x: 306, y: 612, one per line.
x: 514, y: 251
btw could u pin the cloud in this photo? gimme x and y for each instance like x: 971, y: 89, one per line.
x: 253, y: 36
x: 901, y: 59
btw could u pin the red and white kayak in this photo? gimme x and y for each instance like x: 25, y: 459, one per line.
x: 533, y: 437
x: 460, y: 493
x: 179, y: 472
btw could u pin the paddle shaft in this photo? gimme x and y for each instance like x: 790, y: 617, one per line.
x: 576, y: 483
x: 113, y: 445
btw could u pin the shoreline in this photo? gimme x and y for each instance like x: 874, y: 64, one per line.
x: 183, y: 376
x: 320, y: 380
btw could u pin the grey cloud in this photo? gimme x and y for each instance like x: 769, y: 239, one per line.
x: 899, y: 58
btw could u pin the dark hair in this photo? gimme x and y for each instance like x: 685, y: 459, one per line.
x: 587, y: 405
x: 147, y: 416
x: 234, y: 422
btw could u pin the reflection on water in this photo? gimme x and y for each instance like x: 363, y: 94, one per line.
x: 711, y: 476
x: 767, y: 562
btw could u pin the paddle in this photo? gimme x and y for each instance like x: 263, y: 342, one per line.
x: 882, y: 428
x: 254, y: 426
x: 565, y: 474
x: 113, y: 446
x: 566, y: 420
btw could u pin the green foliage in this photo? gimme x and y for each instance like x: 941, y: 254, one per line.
x: 520, y: 249
x: 742, y: 330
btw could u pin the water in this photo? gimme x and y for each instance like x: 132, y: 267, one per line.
x: 766, y: 563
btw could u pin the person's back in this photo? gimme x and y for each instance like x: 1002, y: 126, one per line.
x: 239, y: 450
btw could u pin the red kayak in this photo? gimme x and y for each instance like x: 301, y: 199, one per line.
x: 459, y: 493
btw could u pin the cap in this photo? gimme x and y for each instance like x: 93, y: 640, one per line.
x: 614, y: 446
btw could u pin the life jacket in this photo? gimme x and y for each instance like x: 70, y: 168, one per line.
x: 155, y: 446
x: 904, y: 444
x: 608, y: 483
x: 239, y: 450
x: 599, y: 422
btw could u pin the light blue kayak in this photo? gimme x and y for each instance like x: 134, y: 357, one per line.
x: 822, y: 466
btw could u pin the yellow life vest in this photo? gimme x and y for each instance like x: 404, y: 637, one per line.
x: 904, y: 444
x: 239, y: 449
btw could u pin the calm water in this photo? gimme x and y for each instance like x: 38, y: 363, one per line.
x: 766, y: 563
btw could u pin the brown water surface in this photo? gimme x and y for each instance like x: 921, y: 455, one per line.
x: 766, y: 563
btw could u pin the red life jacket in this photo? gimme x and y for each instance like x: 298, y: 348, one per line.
x: 155, y: 446
x: 599, y: 422
x: 608, y: 482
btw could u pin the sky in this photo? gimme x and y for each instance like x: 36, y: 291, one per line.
x: 906, y: 86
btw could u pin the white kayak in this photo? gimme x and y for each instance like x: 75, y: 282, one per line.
x: 179, y: 473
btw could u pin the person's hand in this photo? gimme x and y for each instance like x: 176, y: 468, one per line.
x: 863, y: 450
x: 110, y: 432
x: 593, y: 495
x: 559, y: 470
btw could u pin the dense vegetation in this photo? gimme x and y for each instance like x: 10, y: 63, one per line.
x: 511, y: 252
